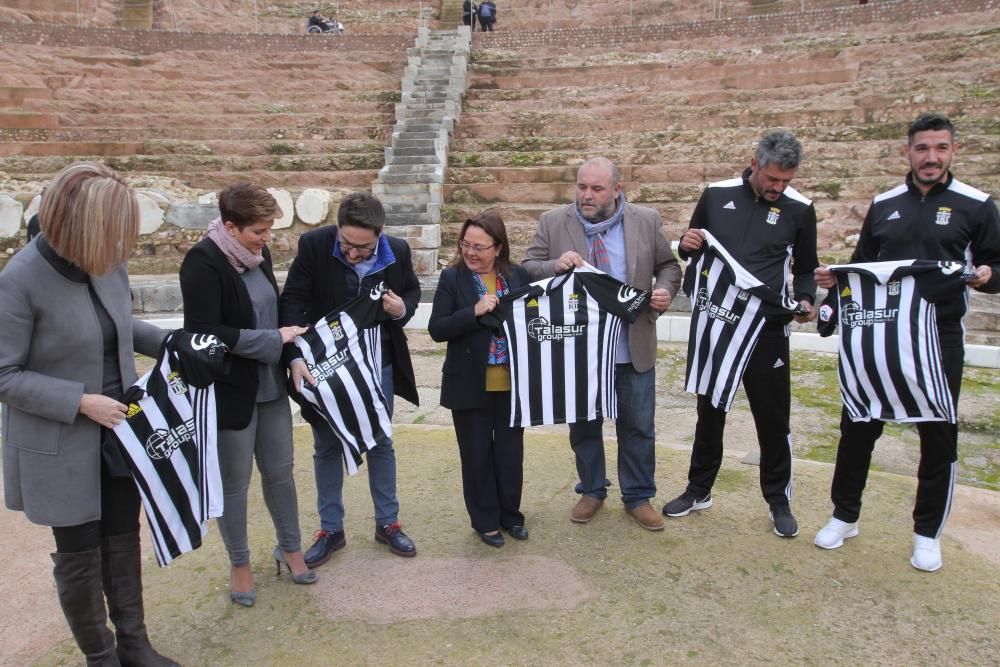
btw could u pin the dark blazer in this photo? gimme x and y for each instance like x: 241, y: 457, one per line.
x: 216, y: 301
x: 453, y: 319
x: 316, y: 285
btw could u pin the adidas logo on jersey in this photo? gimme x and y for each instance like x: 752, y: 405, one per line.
x: 778, y: 364
x: 731, y: 206
x: 845, y: 292
x: 894, y: 216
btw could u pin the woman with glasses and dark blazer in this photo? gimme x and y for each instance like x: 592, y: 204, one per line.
x: 475, y: 381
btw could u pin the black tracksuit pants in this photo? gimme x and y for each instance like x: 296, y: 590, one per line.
x: 935, y: 475
x: 768, y: 387
x: 492, y: 456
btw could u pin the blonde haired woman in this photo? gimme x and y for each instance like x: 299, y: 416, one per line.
x: 67, y: 344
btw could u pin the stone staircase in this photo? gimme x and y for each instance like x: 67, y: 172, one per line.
x: 410, y: 183
x: 136, y: 15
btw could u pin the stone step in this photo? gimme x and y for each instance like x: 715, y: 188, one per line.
x: 413, y: 160
x: 427, y: 150
x: 405, y: 178
x: 411, y: 169
x: 377, y: 133
x: 187, y: 120
x: 409, y: 219
x: 401, y: 144
x: 222, y: 163
x: 410, y: 135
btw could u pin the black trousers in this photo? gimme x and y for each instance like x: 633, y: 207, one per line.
x: 119, y: 516
x: 767, y: 383
x: 935, y: 474
x: 492, y: 456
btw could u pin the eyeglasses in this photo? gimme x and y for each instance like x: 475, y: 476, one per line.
x: 365, y: 249
x: 466, y: 246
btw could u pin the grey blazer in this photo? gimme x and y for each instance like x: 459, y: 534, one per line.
x: 51, y: 353
x: 647, y: 252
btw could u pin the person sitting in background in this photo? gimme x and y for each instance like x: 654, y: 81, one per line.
x: 67, y: 353
x: 230, y: 292
x: 476, y: 377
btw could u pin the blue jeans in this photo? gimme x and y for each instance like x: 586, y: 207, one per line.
x: 328, y: 461
x: 636, y: 447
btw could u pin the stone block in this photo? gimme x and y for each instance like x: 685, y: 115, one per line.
x: 160, y: 197
x: 313, y: 206
x: 10, y: 216
x: 192, y: 216
x: 160, y: 298
x: 32, y: 207
x: 420, y: 237
x: 425, y: 262
x: 209, y: 198
x: 150, y: 213
x: 286, y: 205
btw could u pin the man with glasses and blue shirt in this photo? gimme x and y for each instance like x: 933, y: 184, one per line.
x: 334, y: 265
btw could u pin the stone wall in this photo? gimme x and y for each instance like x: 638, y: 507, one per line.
x: 764, y: 26
x: 155, y: 41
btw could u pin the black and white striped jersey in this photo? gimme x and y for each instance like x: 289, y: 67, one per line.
x: 562, y: 334
x: 169, y: 438
x: 890, y: 352
x: 344, y: 353
x: 729, y: 307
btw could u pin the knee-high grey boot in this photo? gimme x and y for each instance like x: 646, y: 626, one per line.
x: 122, y: 577
x: 78, y: 581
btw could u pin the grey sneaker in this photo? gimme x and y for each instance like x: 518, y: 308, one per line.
x: 686, y: 503
x: 785, y: 524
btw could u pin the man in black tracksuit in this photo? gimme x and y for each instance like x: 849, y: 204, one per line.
x: 931, y: 216
x: 766, y: 226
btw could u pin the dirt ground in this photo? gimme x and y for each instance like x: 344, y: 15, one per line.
x: 713, y: 588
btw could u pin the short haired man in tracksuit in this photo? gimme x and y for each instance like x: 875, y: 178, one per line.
x: 931, y: 216
x: 768, y: 227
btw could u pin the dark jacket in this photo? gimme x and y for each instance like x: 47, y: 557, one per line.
x: 216, y: 301
x: 954, y: 221
x: 317, y: 284
x: 453, y: 319
x: 763, y: 236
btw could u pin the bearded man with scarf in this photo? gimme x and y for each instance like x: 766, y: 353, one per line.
x: 627, y: 242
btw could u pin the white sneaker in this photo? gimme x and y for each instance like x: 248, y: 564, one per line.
x: 926, y: 553
x: 834, y: 533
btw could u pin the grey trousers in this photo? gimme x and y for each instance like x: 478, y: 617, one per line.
x: 268, y: 439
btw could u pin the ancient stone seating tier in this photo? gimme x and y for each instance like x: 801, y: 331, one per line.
x: 678, y: 114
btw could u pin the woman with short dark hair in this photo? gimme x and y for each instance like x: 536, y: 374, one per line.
x: 229, y: 291
x: 475, y: 381
x: 67, y: 346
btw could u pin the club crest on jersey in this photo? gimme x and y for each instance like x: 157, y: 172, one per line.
x: 176, y: 384
x: 573, y: 303
x: 854, y: 315
x: 336, y: 330
x: 542, y: 330
x: 743, y: 295
x: 772, y: 216
x: 133, y: 410
x: 208, y: 342
x: 943, y: 216
x: 327, y: 368
x: 715, y: 312
x: 894, y: 287
x: 162, y: 443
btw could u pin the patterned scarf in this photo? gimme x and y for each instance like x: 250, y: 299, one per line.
x: 239, y: 257
x: 595, y: 232
x: 498, y: 344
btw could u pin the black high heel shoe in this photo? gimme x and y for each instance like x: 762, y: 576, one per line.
x: 307, y: 577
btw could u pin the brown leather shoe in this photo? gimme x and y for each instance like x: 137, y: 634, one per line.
x: 647, y: 517
x: 585, y: 509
